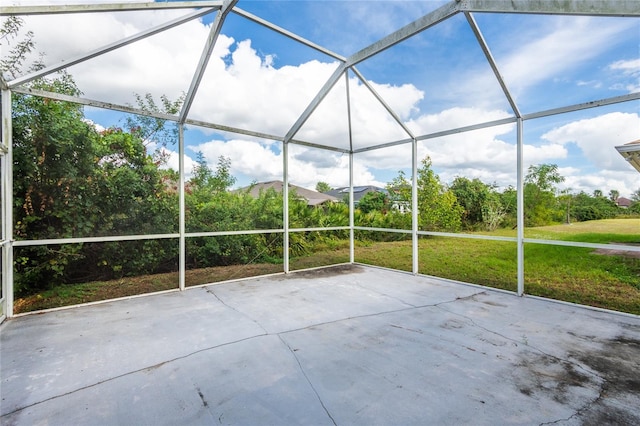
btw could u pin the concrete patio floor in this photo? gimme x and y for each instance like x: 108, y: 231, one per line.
x: 346, y: 345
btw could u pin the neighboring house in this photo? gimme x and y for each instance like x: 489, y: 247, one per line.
x: 631, y: 152
x: 313, y: 198
x: 358, y: 192
x: 398, y: 202
x: 625, y: 203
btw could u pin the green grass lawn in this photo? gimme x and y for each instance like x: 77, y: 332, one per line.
x: 572, y: 274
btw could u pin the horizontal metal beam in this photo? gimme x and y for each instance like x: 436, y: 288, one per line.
x: 320, y: 229
x: 104, y: 7
x: 508, y: 120
x: 391, y: 230
x: 319, y: 146
x: 382, y: 145
x: 225, y: 233
x: 94, y: 103
x: 235, y: 130
x: 583, y: 245
x: 287, y: 33
x: 620, y: 8
x: 110, y: 47
x: 584, y: 105
x: 80, y: 240
x: 468, y: 236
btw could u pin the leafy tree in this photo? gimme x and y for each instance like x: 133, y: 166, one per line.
x: 493, y: 211
x: 399, y: 190
x: 323, y: 187
x: 151, y: 129
x: 540, y: 203
x: 210, y: 181
x: 584, y: 207
x: 566, y: 199
x: 481, y: 204
x: 374, y: 201
x: 614, y: 194
x: 16, y: 51
x: 71, y: 181
x: 437, y: 205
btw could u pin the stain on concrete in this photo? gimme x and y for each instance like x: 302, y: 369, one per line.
x: 617, y: 362
x: 539, y: 375
x: 332, y: 271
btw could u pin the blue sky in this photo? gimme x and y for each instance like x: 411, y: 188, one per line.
x: 437, y: 80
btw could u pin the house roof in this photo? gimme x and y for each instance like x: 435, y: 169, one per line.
x: 623, y: 202
x: 358, y: 191
x: 313, y: 198
x: 631, y: 152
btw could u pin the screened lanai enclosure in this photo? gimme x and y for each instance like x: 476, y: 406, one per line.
x: 133, y: 132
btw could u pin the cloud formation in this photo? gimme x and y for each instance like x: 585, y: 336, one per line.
x: 245, y: 87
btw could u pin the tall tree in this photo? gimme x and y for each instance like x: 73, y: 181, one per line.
x: 323, y: 187
x: 540, y: 204
x: 374, y: 201
x: 437, y: 205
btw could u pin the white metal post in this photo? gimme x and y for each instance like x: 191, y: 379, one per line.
x: 352, y: 249
x: 520, y: 209
x: 414, y: 205
x: 181, y: 207
x: 7, y: 204
x: 352, y: 255
x: 285, y: 205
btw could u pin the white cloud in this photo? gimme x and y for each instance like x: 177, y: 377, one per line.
x: 623, y: 182
x: 453, y: 118
x: 630, y: 67
x: 245, y: 89
x: 591, y: 83
x: 572, y: 41
x: 161, y: 64
x: 597, y: 137
x: 627, y: 69
x: 547, y: 52
x: 258, y: 161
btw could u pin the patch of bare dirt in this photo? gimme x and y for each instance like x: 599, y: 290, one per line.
x: 618, y: 252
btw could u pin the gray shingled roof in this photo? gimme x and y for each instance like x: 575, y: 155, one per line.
x: 313, y: 198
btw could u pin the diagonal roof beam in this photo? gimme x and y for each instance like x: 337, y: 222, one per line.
x: 620, y: 8
x: 405, y: 32
x: 315, y: 102
x: 382, y: 101
x: 287, y: 33
x: 110, y: 47
x: 104, y: 7
x: 492, y: 63
x: 216, y: 26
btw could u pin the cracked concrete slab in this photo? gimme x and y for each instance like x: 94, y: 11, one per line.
x: 345, y: 345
